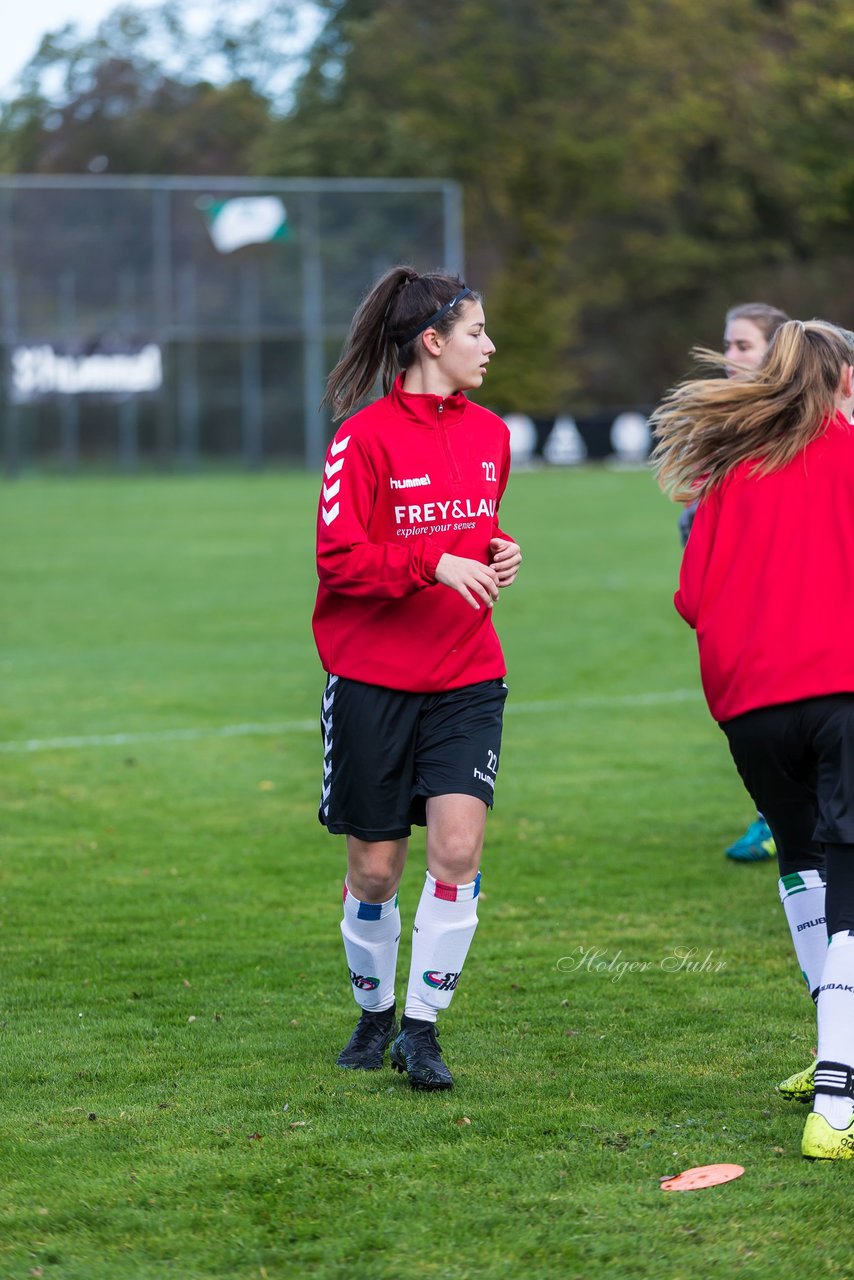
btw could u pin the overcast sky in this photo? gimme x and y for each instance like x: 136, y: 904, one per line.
x: 26, y: 21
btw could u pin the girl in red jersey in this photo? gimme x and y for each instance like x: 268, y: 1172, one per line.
x: 411, y: 559
x: 767, y: 583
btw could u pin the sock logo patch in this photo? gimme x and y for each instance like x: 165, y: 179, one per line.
x: 363, y: 983
x: 441, y: 981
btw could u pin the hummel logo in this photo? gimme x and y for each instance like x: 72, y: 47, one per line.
x: 417, y: 483
x: 330, y: 491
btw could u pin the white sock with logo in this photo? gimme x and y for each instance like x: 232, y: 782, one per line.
x: 802, y: 896
x: 371, y: 933
x: 836, y: 1030
x: 441, y: 936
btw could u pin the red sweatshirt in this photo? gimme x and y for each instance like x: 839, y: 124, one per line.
x: 767, y: 580
x: 407, y: 479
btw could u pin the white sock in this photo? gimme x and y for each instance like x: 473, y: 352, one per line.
x: 371, y: 933
x: 802, y: 896
x: 836, y: 1028
x: 441, y: 936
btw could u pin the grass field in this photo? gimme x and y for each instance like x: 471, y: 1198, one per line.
x: 173, y: 986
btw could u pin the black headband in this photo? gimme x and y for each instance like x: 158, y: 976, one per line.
x: 436, y: 316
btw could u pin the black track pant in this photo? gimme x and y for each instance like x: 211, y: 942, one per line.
x: 797, y: 761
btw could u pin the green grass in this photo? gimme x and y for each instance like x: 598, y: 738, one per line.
x: 172, y: 989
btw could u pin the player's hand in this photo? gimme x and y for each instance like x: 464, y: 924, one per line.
x: 506, y: 558
x: 477, y: 583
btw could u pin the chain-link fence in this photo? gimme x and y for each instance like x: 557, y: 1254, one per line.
x: 166, y: 319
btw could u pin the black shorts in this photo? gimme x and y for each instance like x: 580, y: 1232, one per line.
x: 797, y: 762
x: 385, y: 752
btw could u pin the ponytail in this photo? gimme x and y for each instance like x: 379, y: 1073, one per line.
x: 384, y: 331
x: 707, y: 426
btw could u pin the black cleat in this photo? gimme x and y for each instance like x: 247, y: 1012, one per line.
x: 366, y: 1047
x: 416, y: 1051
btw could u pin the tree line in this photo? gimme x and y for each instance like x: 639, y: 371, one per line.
x: 630, y: 169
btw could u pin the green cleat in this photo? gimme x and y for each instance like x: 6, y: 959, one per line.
x: 822, y: 1142
x: 800, y: 1087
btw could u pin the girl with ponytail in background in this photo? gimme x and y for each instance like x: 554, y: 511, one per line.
x: 411, y: 560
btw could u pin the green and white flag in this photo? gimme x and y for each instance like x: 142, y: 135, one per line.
x: 244, y: 220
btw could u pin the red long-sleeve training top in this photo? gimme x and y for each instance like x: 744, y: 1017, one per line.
x: 407, y: 479
x: 767, y: 579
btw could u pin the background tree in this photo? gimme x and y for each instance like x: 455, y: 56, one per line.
x: 159, y: 90
x: 630, y: 169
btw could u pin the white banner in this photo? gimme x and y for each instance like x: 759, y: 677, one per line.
x: 44, y: 371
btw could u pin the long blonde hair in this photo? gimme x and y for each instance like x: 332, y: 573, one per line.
x: 707, y: 426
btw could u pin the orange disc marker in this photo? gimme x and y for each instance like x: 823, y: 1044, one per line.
x: 706, y: 1175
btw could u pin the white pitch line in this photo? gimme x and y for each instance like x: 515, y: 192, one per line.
x: 157, y: 735
x: 285, y: 727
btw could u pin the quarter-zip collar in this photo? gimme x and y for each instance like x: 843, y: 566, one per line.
x: 427, y: 410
